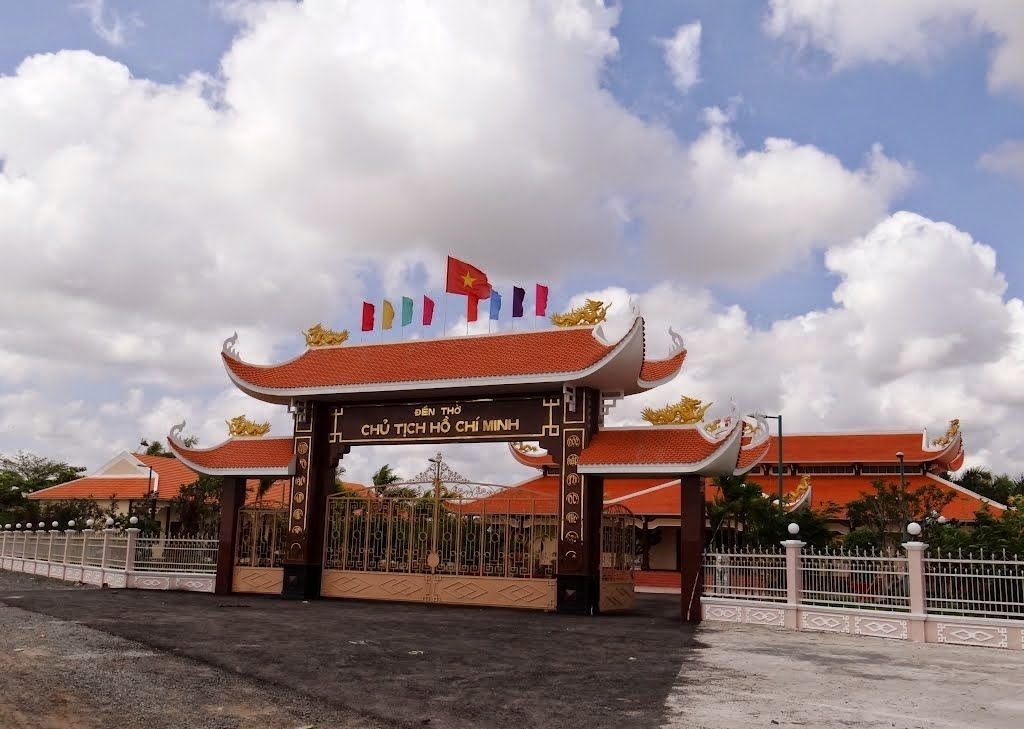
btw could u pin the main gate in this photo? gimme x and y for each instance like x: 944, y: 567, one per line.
x: 496, y: 551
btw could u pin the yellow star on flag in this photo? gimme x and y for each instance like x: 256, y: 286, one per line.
x: 467, y: 280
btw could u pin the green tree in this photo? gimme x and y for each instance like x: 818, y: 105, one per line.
x: 879, y: 517
x: 385, y: 479
x: 24, y: 473
x: 198, y: 506
x: 79, y: 510
x: 741, y: 516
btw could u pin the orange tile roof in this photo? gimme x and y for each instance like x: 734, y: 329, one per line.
x: 659, y: 369
x: 245, y: 456
x: 852, y: 448
x: 647, y: 445
x: 551, y: 351
x: 97, y: 488
x: 841, y: 490
x: 279, y: 492
x: 170, y: 475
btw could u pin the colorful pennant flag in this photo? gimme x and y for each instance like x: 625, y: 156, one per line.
x: 495, y: 304
x: 428, y: 311
x: 367, y: 316
x: 387, y: 315
x: 542, y: 300
x: 466, y: 279
x: 471, y: 308
x: 518, y: 296
x: 406, y: 311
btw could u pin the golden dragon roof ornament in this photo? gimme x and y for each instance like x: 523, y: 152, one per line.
x: 320, y: 336
x: 525, y: 447
x: 241, y: 425
x: 687, y: 411
x: 592, y: 312
x: 950, y: 434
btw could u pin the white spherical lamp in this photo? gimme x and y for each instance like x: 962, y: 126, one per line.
x: 942, y: 520
x: 55, y: 524
x: 18, y: 526
x: 134, y: 520
x: 109, y: 522
x: 41, y: 525
x: 89, y: 522
x: 913, y: 529
x: 793, y: 528
x: 71, y: 523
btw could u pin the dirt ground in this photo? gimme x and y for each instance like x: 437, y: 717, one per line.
x: 82, y: 657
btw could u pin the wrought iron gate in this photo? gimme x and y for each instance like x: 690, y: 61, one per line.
x: 259, y: 550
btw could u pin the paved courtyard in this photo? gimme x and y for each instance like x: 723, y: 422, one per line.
x: 81, y: 657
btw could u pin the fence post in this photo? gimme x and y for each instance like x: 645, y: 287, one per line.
x: 915, y: 583
x: 794, y: 584
x: 3, y: 544
x: 69, y: 534
x: 105, y: 555
x: 129, y: 554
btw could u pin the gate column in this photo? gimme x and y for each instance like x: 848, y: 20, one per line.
x: 691, y: 546
x: 312, y: 483
x: 232, y: 497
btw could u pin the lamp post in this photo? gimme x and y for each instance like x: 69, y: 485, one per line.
x: 778, y: 449
x: 903, y: 479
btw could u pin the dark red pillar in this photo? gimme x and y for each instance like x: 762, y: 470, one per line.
x: 691, y: 546
x: 232, y: 497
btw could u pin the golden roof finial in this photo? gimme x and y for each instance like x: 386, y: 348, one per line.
x: 592, y: 312
x: 241, y: 425
x: 320, y: 336
x: 525, y: 447
x: 687, y: 411
x: 950, y: 434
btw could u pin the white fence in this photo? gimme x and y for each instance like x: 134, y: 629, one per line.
x: 961, y: 599
x: 112, y: 559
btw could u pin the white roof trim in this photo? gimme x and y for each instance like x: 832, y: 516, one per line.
x: 643, y: 492
x: 284, y: 395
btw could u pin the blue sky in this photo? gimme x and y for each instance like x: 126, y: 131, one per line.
x: 827, y: 88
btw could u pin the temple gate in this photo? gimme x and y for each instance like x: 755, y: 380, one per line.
x: 553, y: 387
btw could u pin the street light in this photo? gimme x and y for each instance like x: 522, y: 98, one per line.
x: 778, y: 448
x: 903, y: 480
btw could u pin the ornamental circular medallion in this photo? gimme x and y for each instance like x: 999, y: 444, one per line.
x: 300, y: 481
x: 433, y: 560
x: 297, y: 514
x: 303, y: 462
x: 303, y: 448
x: 572, y: 517
x: 296, y: 530
x: 572, y: 499
x: 300, y: 497
x: 572, y: 537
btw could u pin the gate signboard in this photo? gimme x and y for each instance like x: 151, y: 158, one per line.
x: 531, y: 418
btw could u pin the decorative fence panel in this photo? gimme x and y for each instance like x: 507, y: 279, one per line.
x: 112, y: 559
x: 965, y: 600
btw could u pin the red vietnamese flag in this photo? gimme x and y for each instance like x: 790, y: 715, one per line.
x: 428, y: 311
x: 466, y: 280
x: 367, y: 316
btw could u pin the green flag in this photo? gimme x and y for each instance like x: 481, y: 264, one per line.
x: 406, y: 311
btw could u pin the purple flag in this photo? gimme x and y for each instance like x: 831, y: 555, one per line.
x: 518, y: 295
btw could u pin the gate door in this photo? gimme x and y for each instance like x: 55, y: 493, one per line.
x: 618, y: 553
x: 259, y: 550
x: 495, y: 550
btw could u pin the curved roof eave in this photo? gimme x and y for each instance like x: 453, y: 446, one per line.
x: 720, y: 462
x: 592, y: 376
x: 181, y: 451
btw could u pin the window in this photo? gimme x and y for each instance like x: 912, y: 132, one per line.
x: 889, y: 470
x: 835, y: 470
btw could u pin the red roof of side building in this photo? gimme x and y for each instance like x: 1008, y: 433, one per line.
x: 240, y: 456
x: 841, y: 490
x: 861, y: 448
x: 520, y: 360
x: 169, y: 475
x: 279, y: 493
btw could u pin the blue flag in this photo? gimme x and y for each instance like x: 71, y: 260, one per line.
x: 495, y: 304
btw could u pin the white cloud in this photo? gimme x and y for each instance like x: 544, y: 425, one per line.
x: 1005, y: 159
x: 106, y: 22
x: 908, y: 31
x: 920, y: 333
x: 682, y: 56
x: 343, y: 146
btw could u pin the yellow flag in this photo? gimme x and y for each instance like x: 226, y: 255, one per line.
x: 387, y: 315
